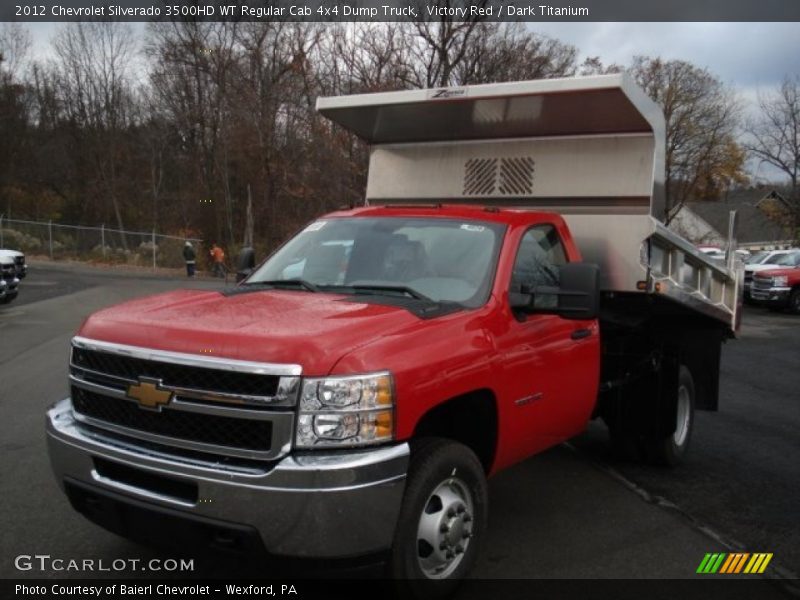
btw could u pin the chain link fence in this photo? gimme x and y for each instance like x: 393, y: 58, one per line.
x: 97, y: 244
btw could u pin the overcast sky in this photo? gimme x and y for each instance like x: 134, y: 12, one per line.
x: 746, y: 55
x: 751, y: 57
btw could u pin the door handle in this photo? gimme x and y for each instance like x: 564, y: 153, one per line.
x: 579, y: 334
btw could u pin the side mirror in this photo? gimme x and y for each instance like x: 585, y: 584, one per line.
x: 576, y: 297
x: 245, y: 264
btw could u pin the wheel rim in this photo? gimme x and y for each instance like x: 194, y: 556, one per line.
x: 445, y: 529
x: 796, y: 302
x: 682, y: 417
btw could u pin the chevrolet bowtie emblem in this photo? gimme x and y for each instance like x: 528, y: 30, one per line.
x: 148, y: 393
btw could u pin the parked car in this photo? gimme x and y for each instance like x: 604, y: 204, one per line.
x: 370, y: 375
x: 8, y: 272
x: 719, y: 255
x: 19, y: 261
x: 773, y: 259
x: 779, y: 288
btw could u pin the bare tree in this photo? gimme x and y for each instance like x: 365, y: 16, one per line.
x: 592, y: 65
x: 93, y: 62
x: 15, y: 45
x: 775, y: 135
x: 365, y: 57
x: 191, y: 71
x: 441, y: 45
x: 703, y: 158
x: 509, y: 52
x: 15, y: 114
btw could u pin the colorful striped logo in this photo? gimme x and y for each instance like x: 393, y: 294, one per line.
x: 736, y: 562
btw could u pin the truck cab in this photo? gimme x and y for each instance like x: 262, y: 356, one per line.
x: 507, y: 280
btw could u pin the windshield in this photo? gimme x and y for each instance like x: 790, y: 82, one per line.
x: 757, y: 258
x: 786, y: 260
x: 775, y: 259
x: 438, y: 260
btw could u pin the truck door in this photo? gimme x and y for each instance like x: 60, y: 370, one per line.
x: 550, y: 364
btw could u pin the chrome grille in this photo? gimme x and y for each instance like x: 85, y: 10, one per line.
x: 220, y: 406
x: 195, y: 427
x: 172, y: 375
x: 763, y: 283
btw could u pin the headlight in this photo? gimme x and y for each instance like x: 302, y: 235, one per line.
x: 781, y: 281
x: 346, y: 411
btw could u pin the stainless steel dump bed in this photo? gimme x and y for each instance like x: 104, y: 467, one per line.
x: 590, y: 149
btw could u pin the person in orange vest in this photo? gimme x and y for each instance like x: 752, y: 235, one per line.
x: 217, y: 260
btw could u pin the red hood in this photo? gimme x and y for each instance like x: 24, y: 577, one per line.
x: 313, y: 330
x: 792, y: 272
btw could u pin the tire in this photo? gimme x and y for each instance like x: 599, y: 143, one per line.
x: 794, y: 302
x: 442, y: 522
x: 671, y: 450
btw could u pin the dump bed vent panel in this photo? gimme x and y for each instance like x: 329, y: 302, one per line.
x: 516, y: 176
x: 506, y: 176
x: 480, y: 176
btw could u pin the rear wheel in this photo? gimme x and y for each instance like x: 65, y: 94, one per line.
x: 442, y: 521
x: 671, y: 449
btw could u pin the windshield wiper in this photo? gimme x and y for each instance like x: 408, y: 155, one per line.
x: 295, y: 282
x: 391, y: 288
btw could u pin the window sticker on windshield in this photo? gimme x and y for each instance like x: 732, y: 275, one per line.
x: 476, y: 228
x: 316, y: 226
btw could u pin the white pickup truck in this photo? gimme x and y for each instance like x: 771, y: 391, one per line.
x: 9, y: 282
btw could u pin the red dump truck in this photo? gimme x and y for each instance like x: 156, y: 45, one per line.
x: 507, y: 280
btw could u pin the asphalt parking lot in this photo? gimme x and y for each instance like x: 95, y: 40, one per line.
x: 572, y: 512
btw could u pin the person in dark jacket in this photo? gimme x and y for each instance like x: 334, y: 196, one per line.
x: 190, y: 257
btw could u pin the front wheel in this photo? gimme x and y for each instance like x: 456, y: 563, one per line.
x: 794, y: 302
x: 670, y: 450
x: 442, y: 521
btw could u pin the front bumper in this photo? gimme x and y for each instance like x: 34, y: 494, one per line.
x: 775, y: 296
x: 315, y: 505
